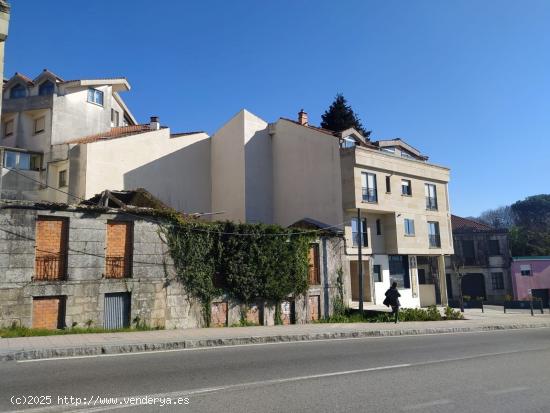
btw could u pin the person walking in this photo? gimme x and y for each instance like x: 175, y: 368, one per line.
x: 392, y: 299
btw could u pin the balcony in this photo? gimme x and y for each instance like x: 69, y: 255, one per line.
x: 50, y: 267
x: 117, y: 267
x: 435, y: 240
x: 369, y: 195
x: 431, y: 203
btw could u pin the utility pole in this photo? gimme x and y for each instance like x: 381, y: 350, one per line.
x: 360, y: 258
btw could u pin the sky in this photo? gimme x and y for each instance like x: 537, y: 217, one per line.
x: 467, y: 82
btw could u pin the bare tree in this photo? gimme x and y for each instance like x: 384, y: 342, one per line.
x: 501, y: 217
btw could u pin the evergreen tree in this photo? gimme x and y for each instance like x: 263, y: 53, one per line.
x: 340, y: 116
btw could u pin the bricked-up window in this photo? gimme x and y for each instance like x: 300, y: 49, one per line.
x: 48, y: 312
x: 314, y: 275
x: 51, y: 248
x: 118, y: 257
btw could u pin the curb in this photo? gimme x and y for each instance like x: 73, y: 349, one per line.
x: 96, y: 350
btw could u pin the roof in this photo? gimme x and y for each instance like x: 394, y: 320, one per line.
x: 327, y: 131
x: 533, y: 258
x: 137, y: 198
x: 401, y: 143
x: 118, y: 83
x: 178, y: 134
x: 312, y: 224
x: 460, y: 224
x: 113, y: 133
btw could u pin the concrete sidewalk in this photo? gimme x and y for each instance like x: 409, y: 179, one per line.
x: 26, y: 348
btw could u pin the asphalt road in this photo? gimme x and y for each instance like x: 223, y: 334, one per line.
x: 507, y: 371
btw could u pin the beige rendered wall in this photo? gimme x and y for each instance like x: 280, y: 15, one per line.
x: 306, y: 175
x: 228, y: 170
x: 176, y: 170
x: 395, y: 206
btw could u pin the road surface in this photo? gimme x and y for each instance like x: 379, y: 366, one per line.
x: 506, y: 371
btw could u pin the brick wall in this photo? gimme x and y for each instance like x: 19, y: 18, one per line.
x: 46, y: 312
x: 51, y: 247
x: 119, y: 249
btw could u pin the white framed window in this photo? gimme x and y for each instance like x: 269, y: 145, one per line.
x: 8, y: 128
x: 95, y: 96
x: 525, y: 270
x: 39, y: 125
x: 22, y: 160
x: 355, y: 232
x: 409, y: 227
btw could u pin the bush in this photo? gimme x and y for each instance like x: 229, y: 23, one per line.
x: 452, y: 314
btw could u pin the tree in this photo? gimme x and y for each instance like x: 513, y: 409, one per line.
x: 531, y: 236
x: 340, y: 116
x: 501, y: 217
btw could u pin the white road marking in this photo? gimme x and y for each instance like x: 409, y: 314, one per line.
x: 220, y: 388
x: 428, y: 404
x: 152, y: 352
x: 505, y: 391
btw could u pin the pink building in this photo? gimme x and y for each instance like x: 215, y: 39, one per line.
x: 531, y: 275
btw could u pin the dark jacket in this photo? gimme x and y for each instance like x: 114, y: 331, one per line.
x: 392, y: 297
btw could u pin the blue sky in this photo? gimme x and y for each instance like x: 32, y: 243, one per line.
x: 467, y: 82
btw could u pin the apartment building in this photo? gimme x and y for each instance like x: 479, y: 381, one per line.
x: 480, y: 266
x: 65, y: 141
x: 288, y: 170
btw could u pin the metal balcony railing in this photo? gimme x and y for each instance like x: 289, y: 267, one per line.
x: 369, y: 195
x: 117, y: 267
x: 435, y: 240
x: 50, y: 267
x: 431, y: 203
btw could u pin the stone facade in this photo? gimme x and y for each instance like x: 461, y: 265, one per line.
x: 157, y: 298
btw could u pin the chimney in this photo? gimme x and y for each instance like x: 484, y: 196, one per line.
x: 302, y: 118
x: 155, y: 123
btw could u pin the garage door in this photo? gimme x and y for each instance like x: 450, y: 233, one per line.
x: 116, y: 310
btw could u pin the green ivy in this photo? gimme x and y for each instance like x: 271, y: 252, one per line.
x: 256, y: 261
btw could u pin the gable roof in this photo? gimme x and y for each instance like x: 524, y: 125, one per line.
x: 460, y: 224
x: 384, y: 143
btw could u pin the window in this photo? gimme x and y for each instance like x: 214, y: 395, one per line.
x: 355, y: 232
x: 406, y: 187
x: 431, y: 196
x: 388, y: 184
x: 377, y: 273
x: 62, y: 181
x: 399, y: 270
x: 39, y: 124
x: 497, y: 279
x: 114, y: 118
x: 468, y: 252
x: 494, y: 247
x: 95, y: 96
x: 314, y: 273
x: 526, y: 270
x: 118, y: 257
x: 46, y: 88
x: 51, y: 248
x: 18, y: 91
x: 8, y: 128
x: 433, y: 234
x: 348, y: 143
x: 368, y: 184
x: 22, y: 160
x: 378, y: 227
x: 409, y: 227
x: 389, y: 149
